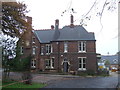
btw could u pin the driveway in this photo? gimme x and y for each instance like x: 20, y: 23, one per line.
x: 87, y: 82
x: 69, y: 81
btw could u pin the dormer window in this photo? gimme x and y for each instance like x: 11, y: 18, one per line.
x: 82, y: 46
x: 33, y: 40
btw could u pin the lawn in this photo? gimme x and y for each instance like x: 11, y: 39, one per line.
x: 21, y: 85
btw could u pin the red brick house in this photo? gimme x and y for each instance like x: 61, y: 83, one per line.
x: 70, y: 49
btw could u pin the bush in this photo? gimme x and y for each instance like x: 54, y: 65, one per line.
x: 82, y: 73
x: 91, y: 72
x: 103, y: 72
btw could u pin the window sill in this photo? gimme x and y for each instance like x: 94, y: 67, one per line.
x: 82, y: 69
x: 41, y: 54
x: 47, y: 54
x: 33, y: 67
x: 49, y: 67
x: 82, y: 52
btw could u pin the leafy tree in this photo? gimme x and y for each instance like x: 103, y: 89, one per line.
x: 22, y: 65
x: 8, y: 54
x: 14, y: 26
x: 14, y: 19
x: 107, y: 62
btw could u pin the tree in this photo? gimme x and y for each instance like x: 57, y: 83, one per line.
x: 14, y: 27
x: 8, y: 54
x: 22, y: 65
x: 107, y: 62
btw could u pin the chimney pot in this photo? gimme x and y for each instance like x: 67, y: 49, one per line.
x: 52, y: 27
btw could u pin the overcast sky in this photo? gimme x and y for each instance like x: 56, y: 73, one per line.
x: 44, y: 13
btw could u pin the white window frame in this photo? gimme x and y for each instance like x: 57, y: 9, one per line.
x: 83, y: 46
x: 65, y: 47
x: 47, y: 61
x: 51, y: 48
x: 50, y: 63
x: 48, y: 47
x: 33, y: 63
x: 34, y: 50
x: 21, y: 50
x: 81, y: 58
x: 42, y: 50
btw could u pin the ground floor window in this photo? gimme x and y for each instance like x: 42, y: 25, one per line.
x: 82, y: 63
x: 33, y: 63
x: 49, y: 63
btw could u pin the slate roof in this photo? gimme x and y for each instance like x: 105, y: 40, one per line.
x: 65, y: 34
x: 44, y: 36
x: 113, y: 59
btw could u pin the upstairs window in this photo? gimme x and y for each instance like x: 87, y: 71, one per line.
x: 33, y: 40
x: 21, y: 50
x: 82, y: 63
x: 33, y: 50
x: 42, y: 50
x: 51, y: 48
x: 82, y: 46
x: 65, y: 47
x: 48, y: 49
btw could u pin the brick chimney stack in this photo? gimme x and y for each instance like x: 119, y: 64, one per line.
x: 56, y: 24
x: 29, y: 20
x: 71, y: 20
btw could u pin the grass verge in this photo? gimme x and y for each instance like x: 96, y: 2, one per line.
x: 6, y: 85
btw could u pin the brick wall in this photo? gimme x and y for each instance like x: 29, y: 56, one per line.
x: 72, y: 55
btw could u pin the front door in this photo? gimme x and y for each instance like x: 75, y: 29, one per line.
x: 65, y: 66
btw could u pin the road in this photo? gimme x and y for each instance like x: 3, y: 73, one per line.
x: 86, y: 82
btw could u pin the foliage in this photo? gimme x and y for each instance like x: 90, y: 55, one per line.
x: 8, y: 53
x: 103, y: 72
x: 20, y: 64
x: 107, y: 62
x: 13, y: 19
x: 14, y: 25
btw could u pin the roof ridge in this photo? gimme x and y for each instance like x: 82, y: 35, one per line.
x: 42, y: 29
